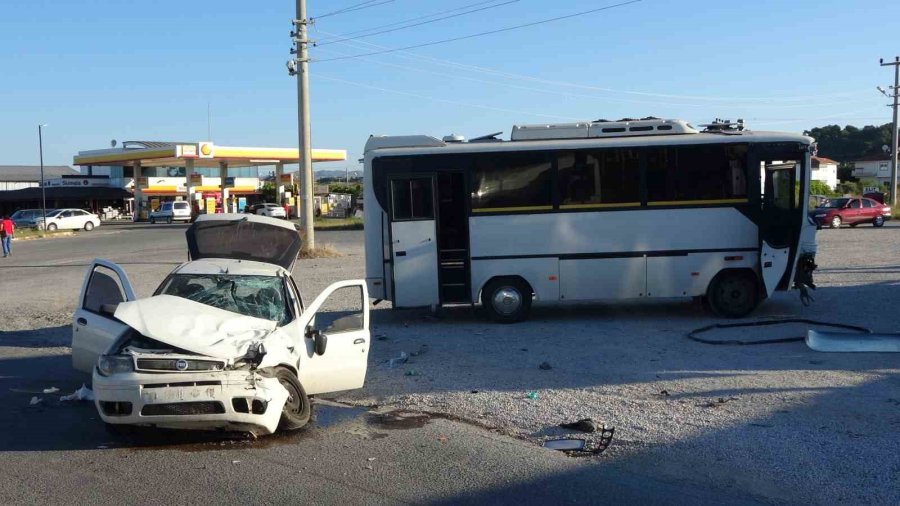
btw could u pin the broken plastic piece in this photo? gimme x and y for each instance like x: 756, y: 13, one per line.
x: 34, y: 401
x: 841, y: 342
x: 565, y: 445
x: 531, y: 395
x: 82, y: 394
x: 412, y: 372
x: 51, y: 390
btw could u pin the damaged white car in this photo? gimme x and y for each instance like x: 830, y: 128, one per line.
x: 225, y: 342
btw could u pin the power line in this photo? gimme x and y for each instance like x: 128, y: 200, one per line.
x: 446, y: 101
x: 356, y: 7
x: 491, y: 32
x: 419, y: 23
x: 567, y: 94
x: 510, y: 75
x: 350, y: 34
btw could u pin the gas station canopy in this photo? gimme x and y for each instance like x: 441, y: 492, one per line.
x: 201, y: 154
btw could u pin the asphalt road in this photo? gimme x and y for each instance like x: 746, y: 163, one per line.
x: 57, y: 452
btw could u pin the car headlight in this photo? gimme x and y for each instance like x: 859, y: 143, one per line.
x: 112, y: 364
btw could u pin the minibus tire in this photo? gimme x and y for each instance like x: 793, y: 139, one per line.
x: 733, y: 293
x: 516, y: 286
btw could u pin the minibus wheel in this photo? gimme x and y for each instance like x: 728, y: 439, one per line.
x: 733, y: 293
x: 507, y: 300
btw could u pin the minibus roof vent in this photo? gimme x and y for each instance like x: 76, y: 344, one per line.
x: 626, y: 127
x: 454, y: 138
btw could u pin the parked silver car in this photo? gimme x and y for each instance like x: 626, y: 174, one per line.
x: 172, y: 211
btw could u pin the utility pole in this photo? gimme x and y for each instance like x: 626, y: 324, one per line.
x: 300, y: 65
x: 895, y: 94
x: 43, y: 184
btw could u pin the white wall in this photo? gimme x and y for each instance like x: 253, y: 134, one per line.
x: 827, y: 173
x: 16, y: 185
x: 878, y: 169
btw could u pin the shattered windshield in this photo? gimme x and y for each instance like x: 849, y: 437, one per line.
x: 256, y: 296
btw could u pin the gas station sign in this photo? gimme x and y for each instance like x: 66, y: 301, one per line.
x: 287, y: 178
x: 196, y: 178
x: 186, y: 151
x: 207, y: 150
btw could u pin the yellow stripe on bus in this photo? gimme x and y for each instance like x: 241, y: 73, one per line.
x: 696, y: 202
x: 598, y: 206
x: 511, y: 209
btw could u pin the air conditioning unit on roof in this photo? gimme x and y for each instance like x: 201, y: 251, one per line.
x: 621, y: 128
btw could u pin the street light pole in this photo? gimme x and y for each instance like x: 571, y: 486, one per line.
x: 895, y: 95
x: 43, y: 190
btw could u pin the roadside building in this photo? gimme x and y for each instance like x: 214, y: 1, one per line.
x: 876, y: 166
x: 17, y: 177
x: 825, y: 170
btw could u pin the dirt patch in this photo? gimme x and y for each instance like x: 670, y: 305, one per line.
x: 320, y: 251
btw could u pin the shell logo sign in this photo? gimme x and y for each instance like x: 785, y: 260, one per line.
x: 207, y: 150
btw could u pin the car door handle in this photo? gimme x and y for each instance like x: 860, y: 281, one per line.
x: 359, y: 341
x: 81, y: 321
x: 401, y: 253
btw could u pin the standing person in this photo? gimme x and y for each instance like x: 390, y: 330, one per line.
x: 7, y: 228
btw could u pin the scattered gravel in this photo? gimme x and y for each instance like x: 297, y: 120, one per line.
x: 778, y: 421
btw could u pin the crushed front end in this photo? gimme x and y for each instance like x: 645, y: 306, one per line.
x: 144, y: 382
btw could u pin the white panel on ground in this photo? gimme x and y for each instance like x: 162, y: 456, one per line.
x: 414, y: 252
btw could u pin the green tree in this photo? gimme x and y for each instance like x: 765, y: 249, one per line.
x: 820, y: 188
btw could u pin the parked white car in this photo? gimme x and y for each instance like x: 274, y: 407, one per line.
x: 271, y: 210
x: 69, y: 219
x: 225, y: 342
x: 168, y: 212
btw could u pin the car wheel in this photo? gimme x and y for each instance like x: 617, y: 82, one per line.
x: 836, y: 222
x: 878, y: 221
x: 89, y: 226
x: 51, y: 227
x: 733, y: 294
x: 169, y: 220
x: 507, y: 300
x: 296, y: 411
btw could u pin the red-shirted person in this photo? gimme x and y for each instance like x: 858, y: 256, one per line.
x: 7, y: 228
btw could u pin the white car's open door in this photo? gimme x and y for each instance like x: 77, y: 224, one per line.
x: 93, y: 326
x: 340, y: 315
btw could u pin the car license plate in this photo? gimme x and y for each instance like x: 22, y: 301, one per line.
x: 179, y: 394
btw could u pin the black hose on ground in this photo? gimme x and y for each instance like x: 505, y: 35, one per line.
x: 694, y: 334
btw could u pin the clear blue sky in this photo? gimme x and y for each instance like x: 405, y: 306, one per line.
x: 98, y: 70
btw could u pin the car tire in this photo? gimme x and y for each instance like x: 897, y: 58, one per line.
x: 507, y: 300
x: 89, y: 226
x: 878, y: 221
x: 835, y: 222
x: 169, y: 220
x: 733, y: 294
x: 51, y: 227
x: 297, y: 410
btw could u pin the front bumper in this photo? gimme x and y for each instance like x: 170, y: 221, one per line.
x: 230, y: 400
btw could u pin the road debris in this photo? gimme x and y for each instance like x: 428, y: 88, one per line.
x: 399, y: 360
x: 531, y: 395
x: 381, y: 337
x: 565, y: 445
x: 583, y: 425
x: 370, y: 459
x: 34, y: 401
x: 545, y: 366
x: 578, y: 447
x: 411, y: 372
x: 664, y: 393
x: 82, y: 394
x: 51, y: 390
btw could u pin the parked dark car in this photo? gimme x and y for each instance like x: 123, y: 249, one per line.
x: 28, y: 218
x: 850, y: 211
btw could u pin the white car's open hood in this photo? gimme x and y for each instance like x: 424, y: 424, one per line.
x: 193, y: 326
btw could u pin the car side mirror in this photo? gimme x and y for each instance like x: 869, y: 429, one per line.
x: 320, y: 340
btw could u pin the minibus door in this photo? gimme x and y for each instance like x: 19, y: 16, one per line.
x: 779, y: 222
x: 413, y: 242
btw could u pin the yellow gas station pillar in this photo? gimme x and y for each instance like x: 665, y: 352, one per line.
x: 138, y: 192
x: 223, y: 175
